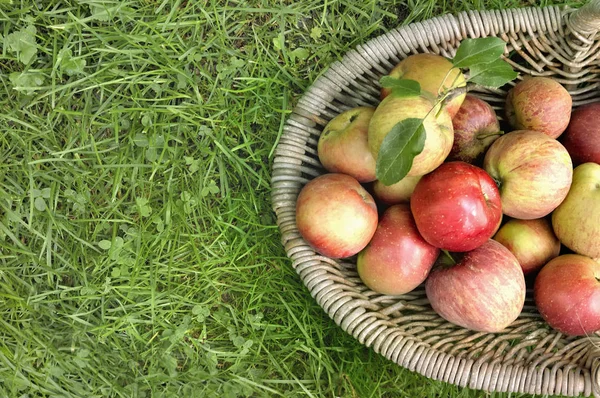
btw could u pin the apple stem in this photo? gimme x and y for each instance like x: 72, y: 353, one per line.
x: 455, y: 92
x: 447, y: 253
x: 498, y: 183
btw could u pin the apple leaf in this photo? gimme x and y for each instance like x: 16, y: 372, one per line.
x: 398, y: 149
x: 401, y: 87
x: 478, y: 51
x: 492, y: 74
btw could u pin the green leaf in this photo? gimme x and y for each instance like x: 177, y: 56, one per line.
x: 23, y: 43
x: 104, y: 244
x: 300, y: 53
x: 401, y: 87
x: 279, y: 41
x: 144, y: 209
x: 39, y: 203
x: 69, y: 65
x: 398, y: 149
x: 315, y: 33
x: 492, y: 74
x: 26, y: 82
x: 141, y: 140
x: 478, y: 51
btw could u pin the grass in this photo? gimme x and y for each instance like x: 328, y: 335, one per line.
x: 138, y: 251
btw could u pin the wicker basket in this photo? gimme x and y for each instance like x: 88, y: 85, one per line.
x: 528, y: 356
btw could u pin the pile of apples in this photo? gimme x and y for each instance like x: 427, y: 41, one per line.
x: 480, y: 214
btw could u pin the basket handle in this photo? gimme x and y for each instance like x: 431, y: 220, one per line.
x: 586, y: 20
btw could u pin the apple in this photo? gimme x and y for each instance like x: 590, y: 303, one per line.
x: 576, y: 220
x: 397, y: 259
x: 437, y: 123
x: 533, y: 173
x: 476, y: 127
x: 531, y: 241
x: 567, y: 294
x: 582, y: 137
x: 434, y: 73
x: 457, y: 207
x: 336, y: 215
x: 343, y: 146
x: 399, y: 192
x: 540, y: 104
x: 483, y: 291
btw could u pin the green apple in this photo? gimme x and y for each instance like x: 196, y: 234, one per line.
x: 531, y: 241
x: 576, y: 221
x: 434, y: 73
x: 343, y: 146
x: 437, y: 124
x: 399, y: 192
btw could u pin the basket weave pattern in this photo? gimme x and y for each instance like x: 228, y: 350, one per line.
x: 528, y: 356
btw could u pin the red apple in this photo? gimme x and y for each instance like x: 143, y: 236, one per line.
x: 476, y: 127
x: 540, y: 104
x: 533, y: 171
x: 397, y: 259
x: 336, y: 215
x: 343, y: 146
x: 435, y: 74
x: 399, y: 192
x: 531, y: 241
x: 456, y: 207
x: 582, y: 137
x: 484, y: 291
x: 567, y: 294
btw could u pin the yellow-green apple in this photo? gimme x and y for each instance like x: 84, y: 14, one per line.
x: 456, y: 207
x: 481, y: 290
x: 540, y: 104
x: 343, y: 146
x: 336, y: 215
x: 437, y: 123
x: 476, y: 127
x: 567, y: 294
x: 435, y: 74
x: 531, y: 241
x: 582, y: 137
x: 532, y: 170
x: 399, y: 192
x: 397, y: 259
x: 576, y: 220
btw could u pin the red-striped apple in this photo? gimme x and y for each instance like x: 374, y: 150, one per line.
x: 533, y: 172
x: 336, y: 215
x: 567, y: 294
x: 484, y: 291
x: 343, y: 146
x: 397, y: 259
x: 540, y: 104
x: 531, y: 241
x: 476, y: 127
x: 582, y: 137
